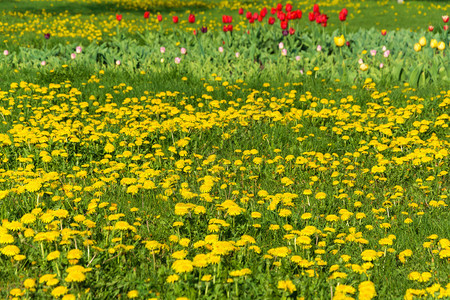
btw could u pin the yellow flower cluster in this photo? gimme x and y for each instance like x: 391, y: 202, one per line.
x: 300, y: 183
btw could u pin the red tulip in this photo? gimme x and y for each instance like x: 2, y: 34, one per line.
x: 279, y: 6
x: 298, y: 12
x: 260, y: 18
x: 191, y: 18
x: 230, y: 28
x: 225, y: 28
x: 271, y: 20
x: 248, y: 15
x: 119, y: 18
x: 284, y: 24
x: 263, y: 12
x: 227, y: 19
x: 342, y: 17
x: 251, y: 20
x: 255, y: 15
x: 146, y: 15
x: 445, y: 27
x: 312, y: 16
x: 291, y: 31
x: 175, y: 19
x: 445, y: 19
x: 430, y: 28
x: 344, y: 11
x: 281, y: 16
x: 159, y: 18
x: 273, y: 10
x: 291, y: 15
x: 241, y: 11
x: 316, y: 8
x: 288, y: 7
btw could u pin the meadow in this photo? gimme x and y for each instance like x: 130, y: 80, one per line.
x: 202, y: 150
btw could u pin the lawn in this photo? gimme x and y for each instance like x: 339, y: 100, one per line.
x: 142, y: 160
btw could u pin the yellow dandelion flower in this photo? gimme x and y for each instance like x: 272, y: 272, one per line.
x: 133, y: 294
x: 179, y: 254
x: 10, y: 250
x: 28, y: 218
x: 182, y: 266
x: 14, y: 226
x: 320, y: 195
x: 59, y: 291
x: 369, y: 255
x: 74, y: 254
x: 109, y: 148
x: 53, y: 255
x: 16, y: 292
x: 286, y: 286
x: 172, y: 278
x: 6, y: 238
x: 29, y: 283
x: 206, y: 277
x: 75, y: 276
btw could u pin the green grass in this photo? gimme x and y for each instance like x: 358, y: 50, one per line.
x: 271, y: 127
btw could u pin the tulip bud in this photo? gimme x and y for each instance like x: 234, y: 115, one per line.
x: 423, y: 41
x: 339, y: 40
x: 159, y: 17
x: 288, y: 7
x: 430, y: 28
x: 316, y: 8
x: 241, y: 11
x: 383, y: 32
x: 417, y: 47
x: 433, y: 43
